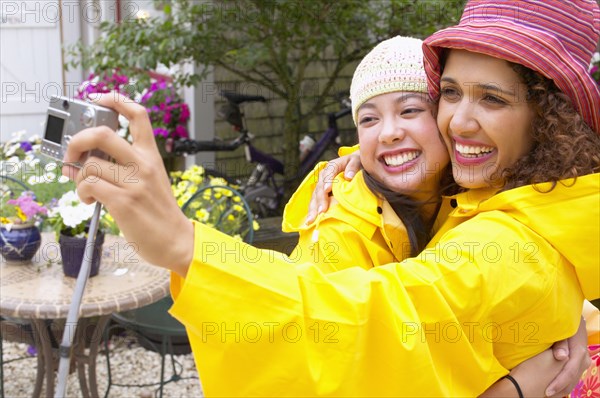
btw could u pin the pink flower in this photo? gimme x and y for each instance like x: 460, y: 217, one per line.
x: 161, y: 132
x: 167, y: 117
x: 26, y: 202
x: 180, y: 132
x: 185, y: 113
x: 163, y: 103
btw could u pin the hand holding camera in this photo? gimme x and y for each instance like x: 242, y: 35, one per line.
x: 133, y: 186
x: 67, y: 117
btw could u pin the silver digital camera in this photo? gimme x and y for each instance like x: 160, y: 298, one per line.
x: 67, y: 117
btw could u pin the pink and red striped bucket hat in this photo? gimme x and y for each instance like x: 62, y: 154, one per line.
x: 556, y: 38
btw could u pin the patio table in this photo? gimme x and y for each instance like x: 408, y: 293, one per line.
x: 38, y: 292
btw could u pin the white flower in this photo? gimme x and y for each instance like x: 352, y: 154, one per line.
x: 33, y: 180
x: 123, y: 122
x: 12, y: 149
x: 72, y: 211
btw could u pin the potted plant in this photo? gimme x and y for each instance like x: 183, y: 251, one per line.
x: 70, y: 220
x: 20, y: 236
x: 166, y: 108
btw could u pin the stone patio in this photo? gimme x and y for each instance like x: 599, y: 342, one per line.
x: 129, y: 362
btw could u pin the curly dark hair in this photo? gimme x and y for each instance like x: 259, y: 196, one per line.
x: 564, y: 145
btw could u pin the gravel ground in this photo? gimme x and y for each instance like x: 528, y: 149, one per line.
x: 129, y: 363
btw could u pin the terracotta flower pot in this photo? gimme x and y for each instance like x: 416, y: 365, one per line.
x: 20, y: 243
x: 72, y: 250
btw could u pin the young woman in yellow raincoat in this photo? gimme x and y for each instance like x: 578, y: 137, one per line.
x: 502, y: 280
x: 384, y: 214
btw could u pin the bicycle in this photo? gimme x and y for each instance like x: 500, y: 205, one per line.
x: 261, y: 190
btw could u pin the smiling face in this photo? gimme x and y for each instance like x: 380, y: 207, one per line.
x: 400, y: 145
x: 483, y: 117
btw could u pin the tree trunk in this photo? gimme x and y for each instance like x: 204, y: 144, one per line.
x: 292, y: 128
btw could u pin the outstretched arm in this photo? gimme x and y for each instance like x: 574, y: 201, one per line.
x: 135, y: 189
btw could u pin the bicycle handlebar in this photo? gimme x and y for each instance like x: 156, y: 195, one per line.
x: 189, y: 146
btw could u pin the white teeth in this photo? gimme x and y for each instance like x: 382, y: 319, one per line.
x: 473, y: 151
x: 400, y: 159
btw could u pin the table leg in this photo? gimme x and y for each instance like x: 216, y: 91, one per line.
x: 97, y: 340
x: 88, y: 383
x: 45, y: 358
x: 78, y: 354
x: 39, y: 377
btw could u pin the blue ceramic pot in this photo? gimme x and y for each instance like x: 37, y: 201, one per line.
x: 20, y: 243
x: 72, y: 250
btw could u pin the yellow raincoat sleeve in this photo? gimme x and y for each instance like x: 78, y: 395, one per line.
x: 445, y: 324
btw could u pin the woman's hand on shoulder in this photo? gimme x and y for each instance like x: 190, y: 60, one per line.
x: 319, y: 202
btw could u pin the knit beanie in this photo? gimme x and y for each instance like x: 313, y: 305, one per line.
x: 393, y: 65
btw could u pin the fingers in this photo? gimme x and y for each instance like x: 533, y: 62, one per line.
x: 353, y: 167
x: 139, y: 123
x: 92, y: 190
x: 319, y: 201
x: 560, y: 350
x: 567, y: 379
x: 313, y: 208
x: 102, y: 138
x: 578, y: 361
x: 100, y: 169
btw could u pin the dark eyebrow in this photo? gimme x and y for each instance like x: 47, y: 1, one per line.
x: 484, y: 87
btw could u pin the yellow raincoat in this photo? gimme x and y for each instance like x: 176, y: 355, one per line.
x: 495, y: 286
x: 358, y: 228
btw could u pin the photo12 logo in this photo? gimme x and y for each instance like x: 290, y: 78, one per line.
x: 52, y: 12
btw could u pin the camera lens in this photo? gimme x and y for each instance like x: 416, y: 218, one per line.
x: 88, y: 116
x: 65, y: 105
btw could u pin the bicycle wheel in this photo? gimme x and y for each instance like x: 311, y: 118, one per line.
x: 223, y: 208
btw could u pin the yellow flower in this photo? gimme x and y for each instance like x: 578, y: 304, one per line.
x: 182, y: 185
x: 176, y: 174
x: 197, y: 170
x: 255, y: 225
x: 217, y: 181
x: 202, y: 215
x: 196, y: 179
x: 20, y: 214
x: 238, y: 208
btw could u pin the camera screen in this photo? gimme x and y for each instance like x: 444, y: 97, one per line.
x: 54, y: 129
